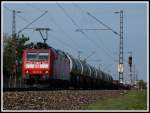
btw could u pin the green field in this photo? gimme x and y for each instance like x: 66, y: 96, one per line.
x: 132, y: 100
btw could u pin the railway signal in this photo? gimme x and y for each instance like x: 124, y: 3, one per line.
x: 130, y: 65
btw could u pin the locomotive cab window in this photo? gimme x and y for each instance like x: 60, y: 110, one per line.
x: 31, y: 56
x: 43, y: 56
x: 37, y: 56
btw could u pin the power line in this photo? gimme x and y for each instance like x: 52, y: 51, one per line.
x: 69, y: 18
x: 108, y: 28
x: 120, y: 65
x: 58, y: 26
x: 103, y: 24
x: 95, y: 44
x: 77, y: 6
x: 32, y: 22
x: 32, y: 28
x: 72, y: 22
x: 67, y: 35
x: 101, y: 41
x: 58, y: 40
x: 7, y: 8
x: 99, y: 46
x: 26, y: 27
x: 64, y: 11
x: 24, y: 19
x: 93, y: 29
x: 109, y: 50
x: 67, y: 15
x: 66, y: 44
x: 34, y: 7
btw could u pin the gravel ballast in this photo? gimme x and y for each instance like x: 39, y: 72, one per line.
x: 54, y: 100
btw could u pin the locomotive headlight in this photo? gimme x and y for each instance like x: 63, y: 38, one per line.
x: 46, y: 72
x: 43, y: 65
x: 27, y: 71
x: 29, y: 65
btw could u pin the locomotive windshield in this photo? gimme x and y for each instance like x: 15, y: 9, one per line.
x: 37, y: 56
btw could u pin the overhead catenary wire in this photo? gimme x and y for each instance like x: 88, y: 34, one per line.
x: 32, y: 22
x: 29, y: 23
x: 36, y: 8
x: 24, y: 19
x: 55, y: 23
x: 58, y: 26
x: 73, y: 21
x: 7, y: 8
x: 102, y: 43
x: 69, y: 18
x: 78, y: 7
x: 67, y: 15
x: 63, y: 42
x: 104, y: 49
x: 108, y: 28
x: 64, y: 33
x: 61, y: 7
x: 94, y: 43
x: 102, y: 23
x: 75, y: 24
x: 89, y: 14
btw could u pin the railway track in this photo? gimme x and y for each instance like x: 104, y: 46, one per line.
x: 24, y: 89
x: 44, y: 89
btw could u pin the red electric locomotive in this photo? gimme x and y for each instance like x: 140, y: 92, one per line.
x: 37, y: 64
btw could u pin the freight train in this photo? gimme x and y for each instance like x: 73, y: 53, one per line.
x: 44, y: 64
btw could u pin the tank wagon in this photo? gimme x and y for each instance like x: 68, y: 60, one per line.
x: 44, y: 64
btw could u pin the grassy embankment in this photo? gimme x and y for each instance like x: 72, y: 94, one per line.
x: 133, y: 100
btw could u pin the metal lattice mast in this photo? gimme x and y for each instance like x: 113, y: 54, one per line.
x: 121, y: 47
x: 14, y: 71
x: 13, y: 23
x: 14, y: 48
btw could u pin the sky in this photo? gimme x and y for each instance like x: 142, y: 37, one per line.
x: 102, y: 46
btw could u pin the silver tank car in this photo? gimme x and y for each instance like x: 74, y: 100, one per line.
x: 81, y: 68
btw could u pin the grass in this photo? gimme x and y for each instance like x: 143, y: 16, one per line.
x: 133, y: 100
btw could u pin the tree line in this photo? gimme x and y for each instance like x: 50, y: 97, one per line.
x: 8, y: 53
